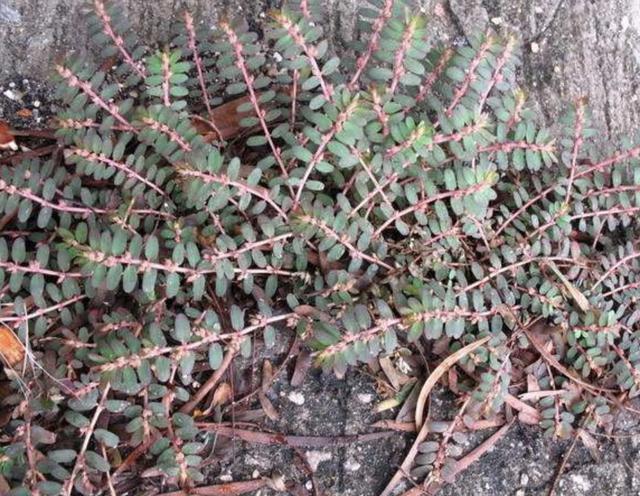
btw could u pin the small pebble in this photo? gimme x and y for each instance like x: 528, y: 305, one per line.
x: 365, y: 398
x: 352, y: 465
x: 535, y: 48
x: 309, y: 485
x: 11, y: 95
x: 524, y: 479
x: 226, y: 478
x: 315, y: 458
x: 296, y: 398
x: 255, y: 474
x: 37, y: 104
x: 496, y: 20
x: 520, y: 492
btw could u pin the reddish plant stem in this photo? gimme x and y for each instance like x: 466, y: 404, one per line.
x: 513, y: 266
x: 79, y: 464
x: 497, y: 73
x: 353, y: 251
x: 427, y: 201
x: 118, y: 41
x: 398, y: 62
x: 225, y: 180
x: 249, y: 79
x: 614, y: 267
x: 43, y: 311
x: 425, y: 88
x: 167, y: 131
x: 34, y: 268
x: 215, y: 256
x: 135, y: 360
x: 319, y: 153
x: 470, y: 76
x: 94, y: 157
x: 111, y: 108
x: 374, y: 41
x: 191, y: 33
x: 166, y: 76
x: 309, y: 51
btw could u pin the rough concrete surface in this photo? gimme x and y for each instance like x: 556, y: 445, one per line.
x: 572, y: 48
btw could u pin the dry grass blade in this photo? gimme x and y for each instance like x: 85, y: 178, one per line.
x: 551, y: 360
x: 439, y: 372
x: 466, y: 461
x: 578, y: 297
x: 227, y: 489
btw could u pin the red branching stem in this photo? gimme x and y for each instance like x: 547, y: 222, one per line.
x: 309, y: 50
x: 398, y: 62
x: 402, y: 323
x: 101, y: 11
x: 585, y: 215
x: 367, y: 169
x: 304, y: 8
x: 294, y: 96
x: 635, y: 373
x: 509, y: 146
x: 374, y: 41
x: 242, y: 187
x: 207, y: 339
x: 248, y: 79
x: 577, y: 143
x: 497, y: 73
x: 79, y: 464
x: 43, y: 311
x: 367, y: 200
x: 60, y: 206
x: 470, y: 76
x: 74, y: 82
x: 460, y: 135
x: 424, y: 203
x: 86, y: 123
x: 34, y: 268
x: 443, y: 61
x: 614, y: 267
x: 513, y: 266
x: 420, y: 131
x: 215, y: 256
x: 170, y: 133
x: 326, y: 138
x: 383, y: 117
x: 192, y: 43
x: 612, y: 191
x: 343, y: 240
x: 620, y: 289
x: 363, y: 336
x: 166, y: 77
x: 94, y: 157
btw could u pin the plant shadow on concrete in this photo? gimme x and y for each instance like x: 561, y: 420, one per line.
x: 395, y: 210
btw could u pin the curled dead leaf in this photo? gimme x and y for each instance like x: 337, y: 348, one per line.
x: 222, y: 394
x: 11, y: 349
x: 7, y: 140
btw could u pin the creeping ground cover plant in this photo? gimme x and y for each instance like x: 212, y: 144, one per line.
x: 205, y: 197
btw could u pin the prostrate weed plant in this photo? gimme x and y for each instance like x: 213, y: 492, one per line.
x: 204, y: 196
